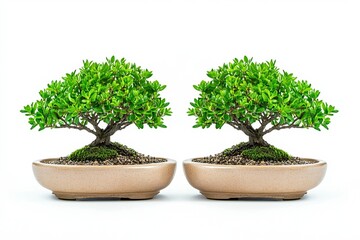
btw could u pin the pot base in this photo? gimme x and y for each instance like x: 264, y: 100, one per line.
x: 225, y: 195
x: 79, y: 196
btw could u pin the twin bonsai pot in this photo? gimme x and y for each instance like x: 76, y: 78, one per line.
x: 144, y: 181
x: 116, y: 94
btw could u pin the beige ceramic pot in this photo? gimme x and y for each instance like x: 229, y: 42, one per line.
x: 141, y: 181
x: 216, y: 181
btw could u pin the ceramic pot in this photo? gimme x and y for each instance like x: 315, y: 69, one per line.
x: 216, y: 181
x: 141, y: 181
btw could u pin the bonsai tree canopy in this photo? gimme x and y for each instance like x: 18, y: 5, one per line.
x: 258, y: 98
x: 100, y: 98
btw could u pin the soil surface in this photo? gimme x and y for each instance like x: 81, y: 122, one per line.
x: 120, y: 160
x: 239, y: 160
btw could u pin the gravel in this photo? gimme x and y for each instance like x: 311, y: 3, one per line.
x: 120, y: 160
x: 239, y: 160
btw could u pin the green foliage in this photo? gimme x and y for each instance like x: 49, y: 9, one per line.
x: 93, y: 153
x: 265, y: 153
x: 244, y: 92
x: 114, y: 92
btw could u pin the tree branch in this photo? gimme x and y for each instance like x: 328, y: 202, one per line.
x: 246, y: 128
x: 234, y: 125
x: 279, y: 126
x: 93, y: 121
x: 265, y: 121
x: 112, y: 128
x: 289, y: 126
x: 80, y: 127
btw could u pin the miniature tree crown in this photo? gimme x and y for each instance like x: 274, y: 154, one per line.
x: 245, y: 94
x: 115, y: 92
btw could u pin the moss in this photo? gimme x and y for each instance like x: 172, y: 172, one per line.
x: 102, y: 152
x: 255, y: 152
x: 237, y: 149
x: 93, y: 153
x: 122, y: 149
x: 265, y: 153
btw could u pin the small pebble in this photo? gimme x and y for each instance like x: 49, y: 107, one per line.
x: 239, y: 160
x: 120, y: 160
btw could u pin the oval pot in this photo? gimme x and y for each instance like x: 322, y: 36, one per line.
x: 217, y: 181
x: 142, y: 181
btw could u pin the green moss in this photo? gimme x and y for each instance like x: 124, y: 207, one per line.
x: 101, y: 153
x: 122, y: 149
x: 265, y: 153
x: 255, y: 152
x: 237, y: 149
x: 93, y: 153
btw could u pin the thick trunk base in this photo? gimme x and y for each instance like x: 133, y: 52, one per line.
x: 239, y: 148
x: 100, y: 142
x: 258, y: 141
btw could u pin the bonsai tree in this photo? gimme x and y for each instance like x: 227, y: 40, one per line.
x: 100, y: 98
x: 258, y: 98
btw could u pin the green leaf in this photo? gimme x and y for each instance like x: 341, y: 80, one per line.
x: 253, y: 92
x: 111, y: 92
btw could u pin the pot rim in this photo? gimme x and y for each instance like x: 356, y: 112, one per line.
x: 42, y: 163
x: 210, y: 165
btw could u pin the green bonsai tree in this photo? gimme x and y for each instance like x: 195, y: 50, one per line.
x: 100, y: 98
x: 258, y: 98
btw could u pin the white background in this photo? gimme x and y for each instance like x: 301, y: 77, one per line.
x: 179, y: 41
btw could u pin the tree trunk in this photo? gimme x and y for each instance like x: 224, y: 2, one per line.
x: 100, y: 140
x: 258, y: 141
